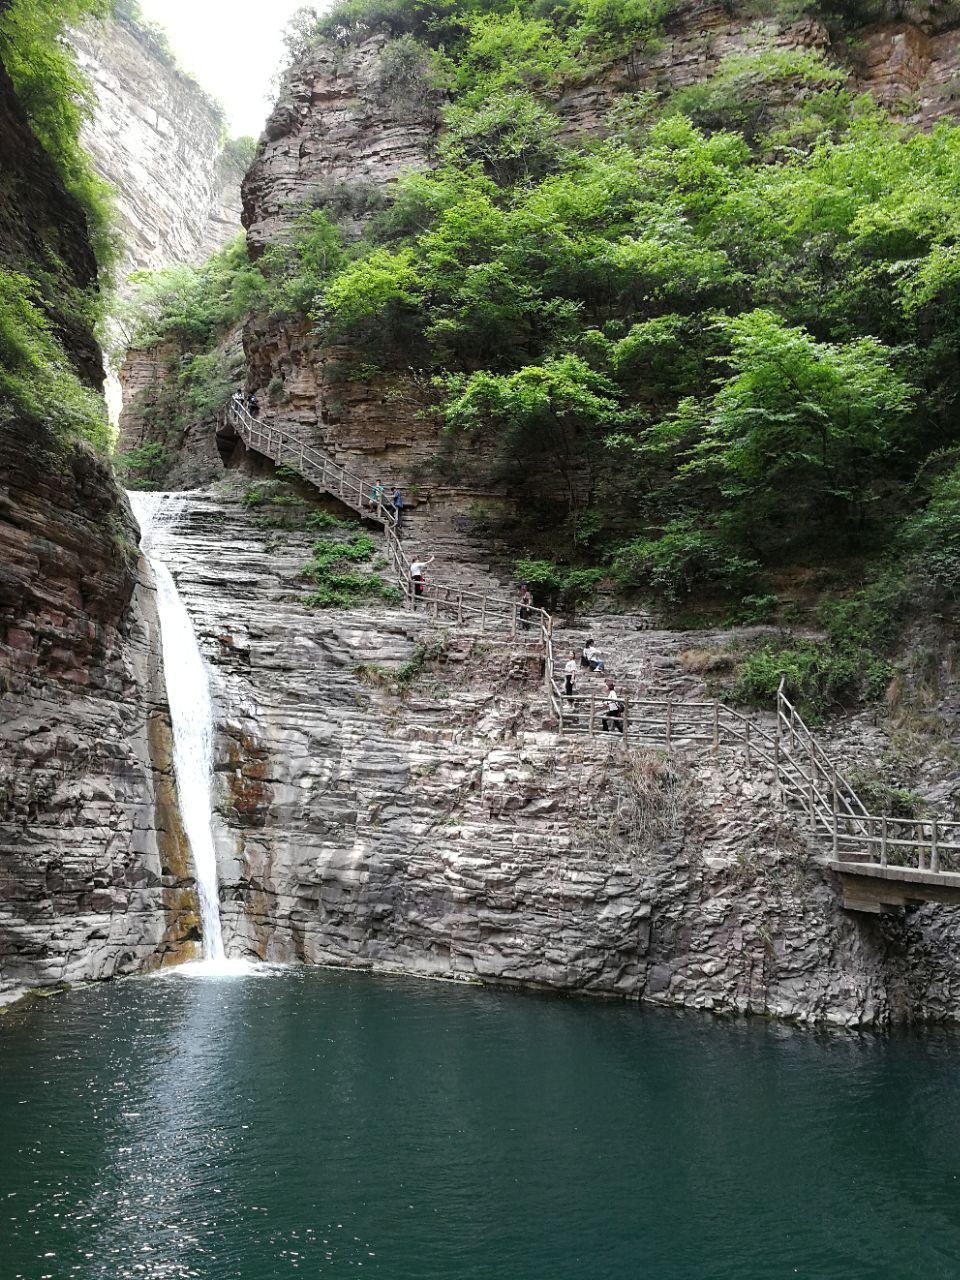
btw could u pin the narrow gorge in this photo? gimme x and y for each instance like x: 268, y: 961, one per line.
x: 389, y: 787
x: 479, y: 570
x: 390, y: 790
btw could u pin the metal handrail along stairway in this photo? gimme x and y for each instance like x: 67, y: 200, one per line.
x: 925, y: 852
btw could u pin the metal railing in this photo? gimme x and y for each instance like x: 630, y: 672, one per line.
x: 805, y: 775
x: 367, y: 497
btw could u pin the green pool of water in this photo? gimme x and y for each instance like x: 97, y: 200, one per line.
x: 311, y: 1123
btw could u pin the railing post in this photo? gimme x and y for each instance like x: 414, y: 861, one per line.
x: 460, y: 605
x: 716, y: 726
x: 513, y: 631
x: 918, y: 833
x: 883, y: 841
x: 593, y: 713
x: 746, y: 743
x: 934, y: 846
x: 669, y: 724
x: 626, y: 718
x: 483, y: 613
x: 836, y: 831
x: 776, y: 736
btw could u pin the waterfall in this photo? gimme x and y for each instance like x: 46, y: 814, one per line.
x: 191, y: 709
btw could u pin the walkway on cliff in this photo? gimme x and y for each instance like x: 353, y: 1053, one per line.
x: 883, y: 862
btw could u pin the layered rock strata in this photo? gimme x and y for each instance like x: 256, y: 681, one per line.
x: 93, y: 874
x: 157, y: 413
x: 390, y: 795
x: 158, y: 140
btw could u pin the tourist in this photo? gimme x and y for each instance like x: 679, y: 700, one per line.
x: 253, y: 405
x: 416, y: 573
x: 526, y: 606
x: 375, y: 500
x: 397, y: 503
x: 615, y: 709
x: 591, y: 657
x: 569, y: 672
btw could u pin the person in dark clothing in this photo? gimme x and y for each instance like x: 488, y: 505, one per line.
x: 397, y: 503
x: 253, y: 405
x: 526, y: 607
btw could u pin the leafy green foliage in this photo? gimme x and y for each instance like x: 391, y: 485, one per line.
x: 336, y: 586
x: 194, y: 304
x: 57, y: 98
x: 747, y: 352
x: 931, y: 539
x: 719, y: 342
x: 681, y: 557
x: 510, y: 134
x: 819, y: 678
x: 143, y: 467
x: 850, y: 664
x: 37, y: 381
x: 759, y: 90
x: 553, y: 586
x: 297, y: 268
x: 378, y: 286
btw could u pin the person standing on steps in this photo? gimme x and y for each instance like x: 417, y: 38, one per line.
x: 416, y: 573
x: 397, y: 503
x: 375, y: 501
x: 253, y: 405
x: 615, y: 708
x: 569, y: 673
x: 526, y: 606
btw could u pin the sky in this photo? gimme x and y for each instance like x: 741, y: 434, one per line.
x: 233, y: 47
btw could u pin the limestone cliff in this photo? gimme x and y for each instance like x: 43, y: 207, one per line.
x: 159, y: 141
x: 342, y: 132
x: 93, y: 878
x: 445, y: 830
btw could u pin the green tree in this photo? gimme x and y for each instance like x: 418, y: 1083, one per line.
x: 57, y: 98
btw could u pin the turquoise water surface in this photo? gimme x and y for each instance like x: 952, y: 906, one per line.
x: 308, y: 1123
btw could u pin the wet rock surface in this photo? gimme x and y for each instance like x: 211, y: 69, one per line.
x: 95, y: 877
x: 390, y: 795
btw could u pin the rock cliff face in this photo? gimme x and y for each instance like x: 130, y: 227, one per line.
x: 156, y: 413
x: 340, y: 136
x: 158, y: 140
x: 93, y: 878
x: 446, y: 831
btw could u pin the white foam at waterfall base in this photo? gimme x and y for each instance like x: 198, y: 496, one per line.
x: 191, y: 710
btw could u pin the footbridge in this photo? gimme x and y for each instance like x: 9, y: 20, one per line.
x: 882, y: 862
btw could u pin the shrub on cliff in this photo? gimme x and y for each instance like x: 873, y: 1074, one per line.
x: 37, y: 382
x: 56, y: 98
x: 197, y: 304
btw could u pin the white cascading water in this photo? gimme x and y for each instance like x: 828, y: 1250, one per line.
x: 191, y: 709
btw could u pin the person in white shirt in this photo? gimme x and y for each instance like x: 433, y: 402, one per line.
x: 592, y: 656
x: 416, y: 573
x: 615, y: 709
x: 569, y: 671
